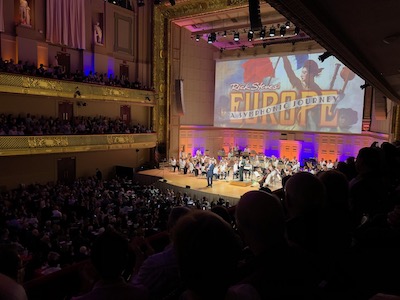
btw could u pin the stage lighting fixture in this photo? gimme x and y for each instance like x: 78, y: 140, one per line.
x: 282, y: 30
x: 363, y: 86
x: 272, y: 31
x: 262, y: 34
x: 296, y: 30
x: 324, y: 56
x: 197, y: 37
x: 213, y: 37
x: 236, y: 36
x: 250, y: 36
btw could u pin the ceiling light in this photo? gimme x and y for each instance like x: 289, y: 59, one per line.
x: 287, y: 25
x: 236, y: 36
x: 272, y: 31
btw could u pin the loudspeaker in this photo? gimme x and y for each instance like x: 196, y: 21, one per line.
x: 380, y: 107
x: 179, y: 101
x: 254, y: 12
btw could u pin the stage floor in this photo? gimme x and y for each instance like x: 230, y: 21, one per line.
x: 230, y: 187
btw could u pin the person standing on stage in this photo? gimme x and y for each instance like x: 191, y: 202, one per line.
x: 241, y: 168
x: 210, y: 172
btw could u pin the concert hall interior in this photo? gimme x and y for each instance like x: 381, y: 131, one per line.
x: 185, y: 92
x: 114, y: 112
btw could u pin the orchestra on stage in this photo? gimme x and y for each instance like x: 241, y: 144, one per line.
x: 245, y: 165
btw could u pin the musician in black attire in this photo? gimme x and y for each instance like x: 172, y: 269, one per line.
x: 241, y: 168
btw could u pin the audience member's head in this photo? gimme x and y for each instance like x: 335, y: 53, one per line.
x: 109, y: 254
x: 304, y: 193
x: 10, y: 262
x: 207, y: 249
x: 10, y: 289
x: 368, y: 161
x: 261, y: 221
x: 223, y: 212
x: 175, y: 214
x: 337, y: 189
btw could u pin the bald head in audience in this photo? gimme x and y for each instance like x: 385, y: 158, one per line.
x: 10, y: 289
x: 304, y: 192
x: 260, y: 220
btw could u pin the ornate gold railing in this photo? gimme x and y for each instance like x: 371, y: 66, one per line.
x: 31, y: 85
x: 24, y: 145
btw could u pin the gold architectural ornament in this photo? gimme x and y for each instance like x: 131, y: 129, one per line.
x: 396, y: 116
x: 27, y: 145
x: 120, y: 139
x: 21, y: 84
x: 36, y: 142
x: 163, y: 15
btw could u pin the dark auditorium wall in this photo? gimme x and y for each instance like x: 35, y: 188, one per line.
x: 45, y: 106
x: 43, y: 168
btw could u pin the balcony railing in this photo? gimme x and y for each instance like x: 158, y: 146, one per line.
x: 40, y: 86
x: 24, y: 145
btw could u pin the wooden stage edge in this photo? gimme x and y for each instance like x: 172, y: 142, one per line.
x: 229, y: 189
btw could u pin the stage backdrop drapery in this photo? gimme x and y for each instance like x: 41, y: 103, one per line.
x: 66, y: 23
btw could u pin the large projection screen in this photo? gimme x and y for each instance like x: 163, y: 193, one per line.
x: 288, y: 93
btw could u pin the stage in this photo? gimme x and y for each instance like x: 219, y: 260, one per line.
x: 230, y: 188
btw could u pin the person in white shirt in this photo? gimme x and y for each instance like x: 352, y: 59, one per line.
x: 172, y: 162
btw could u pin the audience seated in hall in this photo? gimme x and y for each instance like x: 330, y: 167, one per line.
x: 208, y: 249
x: 159, y: 273
x: 276, y: 269
x: 366, y: 196
x: 32, y: 125
x: 38, y: 219
x: 109, y: 257
x: 59, y: 73
x: 304, y: 199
